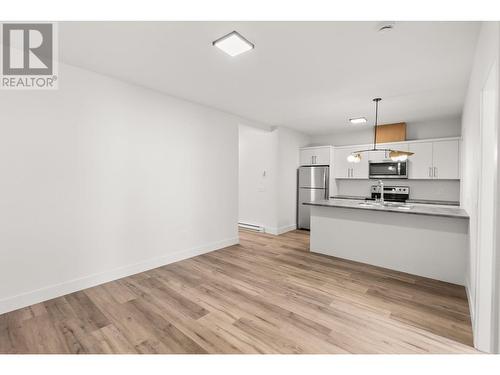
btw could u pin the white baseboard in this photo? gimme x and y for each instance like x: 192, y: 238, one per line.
x: 469, y: 300
x: 271, y: 230
x: 287, y: 228
x: 70, y: 286
x: 472, y: 311
x: 280, y: 230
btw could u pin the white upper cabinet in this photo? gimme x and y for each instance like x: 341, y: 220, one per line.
x: 344, y: 169
x: 377, y: 155
x: 384, y: 155
x: 306, y: 156
x: 322, y: 156
x: 420, y: 163
x: 360, y: 170
x: 446, y: 160
x: 315, y: 155
x: 341, y: 167
x: 436, y: 160
x: 432, y: 159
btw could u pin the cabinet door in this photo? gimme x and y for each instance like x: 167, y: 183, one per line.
x: 445, y: 156
x: 378, y: 155
x: 420, y: 163
x: 360, y: 170
x: 341, y: 167
x: 384, y: 155
x: 322, y: 156
x: 306, y: 156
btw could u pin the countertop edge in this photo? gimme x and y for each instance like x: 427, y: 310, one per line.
x: 392, y: 210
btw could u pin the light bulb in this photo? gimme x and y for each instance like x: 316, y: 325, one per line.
x: 351, y: 158
x: 357, y: 158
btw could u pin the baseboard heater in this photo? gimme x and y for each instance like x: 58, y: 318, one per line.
x: 255, y: 228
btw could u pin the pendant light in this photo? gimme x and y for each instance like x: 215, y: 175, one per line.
x: 395, y: 155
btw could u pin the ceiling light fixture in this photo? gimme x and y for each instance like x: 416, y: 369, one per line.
x: 395, y: 155
x: 233, y: 44
x: 357, y: 120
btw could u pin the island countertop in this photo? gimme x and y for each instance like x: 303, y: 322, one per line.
x: 411, y: 208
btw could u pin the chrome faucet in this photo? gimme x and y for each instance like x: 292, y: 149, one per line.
x: 381, y: 187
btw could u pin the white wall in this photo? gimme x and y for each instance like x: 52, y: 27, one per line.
x: 268, y: 177
x: 257, y: 176
x: 289, y: 142
x: 101, y: 179
x: 438, y: 128
x: 487, y: 53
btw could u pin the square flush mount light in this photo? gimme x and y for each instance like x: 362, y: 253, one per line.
x: 357, y: 120
x: 233, y: 44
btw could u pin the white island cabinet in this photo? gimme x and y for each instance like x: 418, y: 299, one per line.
x: 423, y: 240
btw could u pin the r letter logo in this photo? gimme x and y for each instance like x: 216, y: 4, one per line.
x: 29, y: 59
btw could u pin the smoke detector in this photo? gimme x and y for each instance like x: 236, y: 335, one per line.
x: 385, y: 27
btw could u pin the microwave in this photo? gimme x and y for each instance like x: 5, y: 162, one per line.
x: 387, y: 169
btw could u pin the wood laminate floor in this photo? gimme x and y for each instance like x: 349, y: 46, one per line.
x: 267, y: 295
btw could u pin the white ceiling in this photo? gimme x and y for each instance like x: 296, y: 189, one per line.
x: 311, y: 76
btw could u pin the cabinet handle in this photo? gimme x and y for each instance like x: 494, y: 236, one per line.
x: 435, y: 172
x: 430, y: 172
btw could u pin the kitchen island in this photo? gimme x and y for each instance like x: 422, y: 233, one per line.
x: 420, y: 239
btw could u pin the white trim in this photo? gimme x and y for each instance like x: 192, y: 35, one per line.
x: 271, y: 230
x: 484, y: 322
x: 280, y: 230
x: 287, y: 228
x: 401, y: 142
x: 314, y: 147
x: 57, y: 290
x: 471, y: 304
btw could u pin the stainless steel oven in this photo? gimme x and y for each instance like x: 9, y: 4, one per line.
x: 388, y: 169
x: 391, y: 193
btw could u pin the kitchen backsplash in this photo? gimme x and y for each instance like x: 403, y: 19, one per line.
x: 448, y: 190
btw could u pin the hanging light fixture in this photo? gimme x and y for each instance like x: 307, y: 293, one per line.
x: 395, y: 155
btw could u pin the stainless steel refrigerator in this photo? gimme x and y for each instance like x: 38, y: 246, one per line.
x: 312, y: 185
